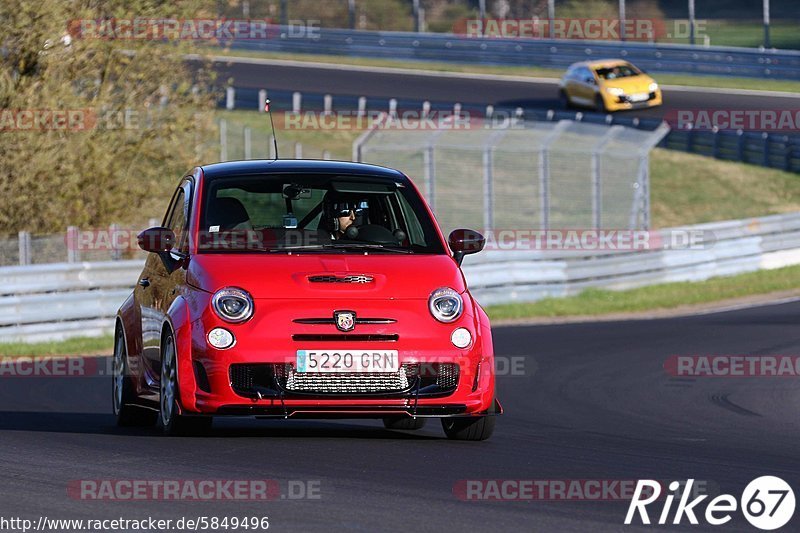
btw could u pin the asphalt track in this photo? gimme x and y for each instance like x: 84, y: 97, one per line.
x: 479, y: 91
x: 594, y: 402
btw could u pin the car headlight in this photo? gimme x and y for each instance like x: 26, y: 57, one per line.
x: 653, y: 87
x: 445, y: 304
x: 616, y: 91
x: 232, y: 304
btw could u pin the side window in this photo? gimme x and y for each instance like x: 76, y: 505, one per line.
x: 176, y: 221
x: 586, y: 75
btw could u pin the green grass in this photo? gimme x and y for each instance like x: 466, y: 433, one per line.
x: 719, y: 82
x: 783, y: 34
x: 594, y: 302
x: 692, y: 189
x: 76, y: 346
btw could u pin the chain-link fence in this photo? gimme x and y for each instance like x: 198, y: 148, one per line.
x: 525, y: 175
x: 74, y: 245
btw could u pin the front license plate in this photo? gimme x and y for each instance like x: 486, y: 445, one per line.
x: 335, y: 360
x: 640, y: 97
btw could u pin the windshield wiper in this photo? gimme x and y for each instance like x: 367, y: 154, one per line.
x: 344, y: 246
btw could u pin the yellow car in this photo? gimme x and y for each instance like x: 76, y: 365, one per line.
x: 608, y: 85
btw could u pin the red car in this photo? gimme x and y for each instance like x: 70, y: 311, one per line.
x: 298, y: 289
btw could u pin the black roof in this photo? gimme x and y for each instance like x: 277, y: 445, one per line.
x: 304, y: 166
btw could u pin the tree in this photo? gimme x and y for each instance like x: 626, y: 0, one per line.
x: 93, y: 125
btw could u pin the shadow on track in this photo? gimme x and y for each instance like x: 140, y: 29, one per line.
x: 103, y: 424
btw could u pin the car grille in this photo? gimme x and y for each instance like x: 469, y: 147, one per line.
x: 347, y: 382
x: 270, y: 380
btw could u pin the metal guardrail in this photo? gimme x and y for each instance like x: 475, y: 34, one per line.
x: 734, y: 247
x: 47, y: 302
x: 553, y: 53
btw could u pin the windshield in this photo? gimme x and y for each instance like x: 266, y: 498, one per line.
x: 319, y: 213
x: 619, y: 71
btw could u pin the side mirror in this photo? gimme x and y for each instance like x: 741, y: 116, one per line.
x: 464, y: 242
x: 156, y: 240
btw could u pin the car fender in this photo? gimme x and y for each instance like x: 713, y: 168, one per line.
x: 130, y: 321
x: 180, y: 324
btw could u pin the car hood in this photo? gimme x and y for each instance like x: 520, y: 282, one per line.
x: 633, y: 84
x: 377, y: 276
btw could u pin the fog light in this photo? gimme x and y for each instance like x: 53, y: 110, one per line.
x: 220, y: 338
x: 461, y: 338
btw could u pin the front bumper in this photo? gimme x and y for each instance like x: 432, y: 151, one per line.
x: 623, y: 102
x: 212, y: 381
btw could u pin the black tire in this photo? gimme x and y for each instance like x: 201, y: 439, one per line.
x: 122, y: 391
x: 600, y: 104
x: 566, y: 103
x: 477, y: 428
x: 403, y: 422
x: 171, y: 421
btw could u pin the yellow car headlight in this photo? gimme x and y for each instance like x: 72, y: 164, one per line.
x: 653, y: 87
x: 616, y: 91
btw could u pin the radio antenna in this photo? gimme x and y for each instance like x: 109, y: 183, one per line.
x: 272, y: 124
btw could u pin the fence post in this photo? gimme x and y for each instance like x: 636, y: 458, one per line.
x: 298, y: 150
x: 25, y: 248
x: 230, y: 95
x: 223, y: 140
x: 362, y: 106
x: 262, y: 100
x: 116, y: 253
x: 327, y: 104
x: 326, y: 155
x: 272, y: 154
x: 430, y: 174
x: 393, y: 108
x: 73, y: 252
x: 488, y: 188
x: 426, y: 109
x: 247, y: 143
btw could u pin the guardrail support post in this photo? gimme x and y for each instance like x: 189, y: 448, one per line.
x: 230, y: 96
x: 24, y: 248
x: 362, y: 106
x: 262, y: 100
x: 297, y: 101
x: 298, y: 151
x: 247, y: 143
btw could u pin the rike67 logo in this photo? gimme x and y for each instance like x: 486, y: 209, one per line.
x: 767, y: 503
